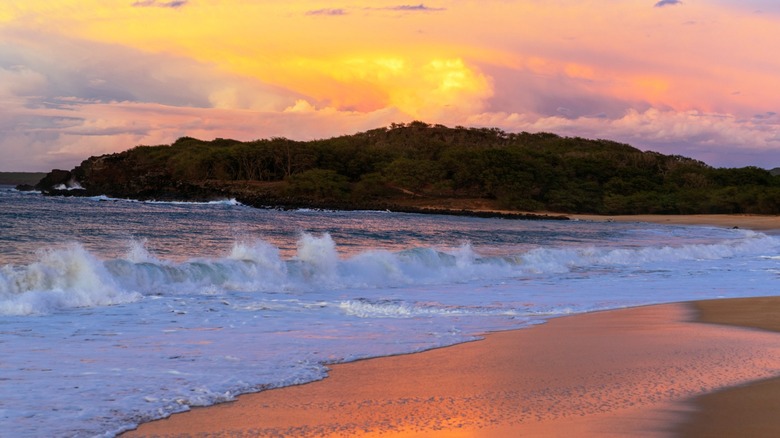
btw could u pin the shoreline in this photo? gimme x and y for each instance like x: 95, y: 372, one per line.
x: 756, y: 403
x: 690, y: 416
x: 755, y: 222
x: 475, y: 209
x: 629, y: 372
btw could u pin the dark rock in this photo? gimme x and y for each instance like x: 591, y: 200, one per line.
x: 54, y: 179
x: 25, y: 188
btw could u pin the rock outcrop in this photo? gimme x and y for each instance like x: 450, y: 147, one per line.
x: 54, y: 180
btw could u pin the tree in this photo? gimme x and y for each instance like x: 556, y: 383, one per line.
x: 319, y: 185
x: 414, y: 175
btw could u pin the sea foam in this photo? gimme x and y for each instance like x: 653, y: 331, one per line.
x: 62, y: 278
x: 70, y: 276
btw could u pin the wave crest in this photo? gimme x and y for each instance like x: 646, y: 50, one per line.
x: 62, y: 278
x: 72, y: 277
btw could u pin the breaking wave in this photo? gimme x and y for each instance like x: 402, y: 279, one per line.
x: 70, y: 276
x: 61, y: 278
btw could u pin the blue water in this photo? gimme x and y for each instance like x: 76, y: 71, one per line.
x: 116, y: 312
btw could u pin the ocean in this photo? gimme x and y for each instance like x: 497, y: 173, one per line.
x: 116, y: 312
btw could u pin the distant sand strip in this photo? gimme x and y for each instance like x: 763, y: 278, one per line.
x: 618, y: 373
x: 753, y: 222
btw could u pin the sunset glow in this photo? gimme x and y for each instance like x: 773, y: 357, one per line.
x: 86, y: 77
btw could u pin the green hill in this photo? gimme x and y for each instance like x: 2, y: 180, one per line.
x: 417, y: 164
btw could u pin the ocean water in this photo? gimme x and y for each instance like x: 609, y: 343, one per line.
x: 115, y: 312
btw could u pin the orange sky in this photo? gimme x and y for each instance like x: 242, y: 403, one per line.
x: 87, y: 77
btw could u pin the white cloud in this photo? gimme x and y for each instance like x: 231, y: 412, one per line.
x: 103, y: 72
x: 61, y: 136
x: 717, y: 139
x: 63, y: 100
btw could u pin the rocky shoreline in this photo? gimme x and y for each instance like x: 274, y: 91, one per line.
x: 66, y: 183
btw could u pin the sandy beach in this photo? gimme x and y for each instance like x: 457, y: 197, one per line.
x: 629, y: 372
x: 697, y: 369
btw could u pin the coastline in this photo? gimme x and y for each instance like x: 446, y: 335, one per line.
x: 628, y: 372
x: 724, y: 403
x: 476, y: 208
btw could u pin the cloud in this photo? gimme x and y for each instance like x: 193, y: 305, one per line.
x: 46, y: 67
x: 18, y: 80
x: 328, y: 12
x: 421, y: 87
x: 406, y: 8
x: 413, y: 8
x: 45, y: 138
x: 398, y: 8
x: 717, y: 139
x: 173, y: 4
x: 63, y: 100
x: 61, y: 93
x: 663, y: 3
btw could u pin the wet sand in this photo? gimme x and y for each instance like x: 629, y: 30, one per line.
x: 628, y: 372
x: 749, y: 410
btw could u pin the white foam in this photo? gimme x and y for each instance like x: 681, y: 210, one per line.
x: 558, y: 260
x: 64, y: 277
x: 137, y: 253
x: 227, y: 202
x: 260, y: 253
x: 319, y: 258
x: 69, y: 276
x: 365, y: 309
x: 70, y: 185
x: 400, y: 309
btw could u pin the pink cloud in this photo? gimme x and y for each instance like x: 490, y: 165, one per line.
x: 663, y: 3
x: 717, y: 139
x: 65, y: 135
x: 656, y: 79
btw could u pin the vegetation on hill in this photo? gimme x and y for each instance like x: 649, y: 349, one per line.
x: 418, y: 163
x: 18, y: 178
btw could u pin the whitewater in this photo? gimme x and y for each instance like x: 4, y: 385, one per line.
x: 115, y: 312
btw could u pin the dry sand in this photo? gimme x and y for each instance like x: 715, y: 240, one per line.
x: 754, y: 222
x: 618, y: 373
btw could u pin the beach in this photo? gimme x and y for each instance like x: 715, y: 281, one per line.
x: 688, y: 369
x: 110, y: 331
x: 629, y: 372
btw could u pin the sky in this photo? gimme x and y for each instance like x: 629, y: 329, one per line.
x: 698, y: 78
